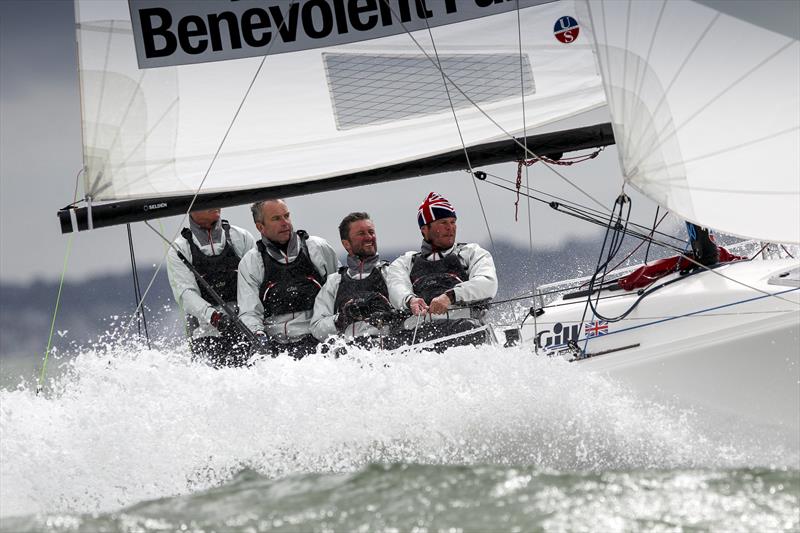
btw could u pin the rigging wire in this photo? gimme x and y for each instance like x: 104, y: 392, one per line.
x: 564, y: 161
x: 186, y: 330
x: 705, y: 310
x: 681, y: 252
x: 649, y: 241
x: 77, y: 181
x: 655, y: 225
x: 617, y: 236
x: 588, y: 217
x: 760, y: 251
x: 210, y: 166
x: 613, y: 249
x: 615, y: 242
x: 460, y: 134
x: 531, y: 273
x: 137, y: 291
x: 247, y: 92
x: 569, y: 204
x: 238, y: 110
x: 529, y: 153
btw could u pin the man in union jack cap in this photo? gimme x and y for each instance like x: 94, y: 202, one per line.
x: 445, y: 285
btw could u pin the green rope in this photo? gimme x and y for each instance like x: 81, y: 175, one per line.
x: 55, y: 313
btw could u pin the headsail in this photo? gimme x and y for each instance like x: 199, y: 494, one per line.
x: 313, y: 115
x: 705, y: 101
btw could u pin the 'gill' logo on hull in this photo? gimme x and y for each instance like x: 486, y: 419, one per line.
x: 562, y: 334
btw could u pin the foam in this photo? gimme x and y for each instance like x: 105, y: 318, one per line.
x: 123, y: 424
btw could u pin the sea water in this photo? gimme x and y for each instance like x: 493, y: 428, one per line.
x: 474, y: 439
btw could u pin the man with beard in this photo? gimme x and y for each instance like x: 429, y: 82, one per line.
x: 279, y: 280
x: 214, y: 249
x: 354, y: 302
x: 444, y: 284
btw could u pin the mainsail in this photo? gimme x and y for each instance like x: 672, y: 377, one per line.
x: 289, y: 119
x: 705, y: 101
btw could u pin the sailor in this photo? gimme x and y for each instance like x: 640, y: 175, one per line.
x: 443, y: 284
x: 279, y: 280
x: 704, y: 248
x: 354, y: 302
x: 214, y: 248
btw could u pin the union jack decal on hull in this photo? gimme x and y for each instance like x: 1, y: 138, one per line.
x: 595, y: 329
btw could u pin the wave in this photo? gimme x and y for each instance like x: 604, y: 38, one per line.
x: 122, y: 424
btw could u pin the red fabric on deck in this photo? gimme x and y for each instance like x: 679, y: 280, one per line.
x: 647, y: 274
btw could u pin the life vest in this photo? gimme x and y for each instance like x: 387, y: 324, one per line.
x: 219, y: 271
x: 430, y: 279
x: 289, y: 287
x: 370, y: 294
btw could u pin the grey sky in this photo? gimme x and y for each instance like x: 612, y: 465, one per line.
x: 40, y: 156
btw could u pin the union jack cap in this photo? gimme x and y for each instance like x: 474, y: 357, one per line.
x: 433, y: 208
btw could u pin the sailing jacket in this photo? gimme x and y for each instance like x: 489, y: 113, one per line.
x: 481, y: 284
x: 358, y: 277
x: 283, y: 326
x: 187, y: 292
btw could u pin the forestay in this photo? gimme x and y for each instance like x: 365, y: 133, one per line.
x: 322, y: 112
x: 705, y: 103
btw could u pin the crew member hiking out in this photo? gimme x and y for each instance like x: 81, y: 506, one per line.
x: 444, y: 283
x: 279, y: 280
x: 354, y: 302
x: 214, y: 248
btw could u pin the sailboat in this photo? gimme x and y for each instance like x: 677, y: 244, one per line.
x: 196, y: 105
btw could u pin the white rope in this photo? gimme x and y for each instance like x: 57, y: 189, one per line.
x: 416, y: 327
x: 425, y: 344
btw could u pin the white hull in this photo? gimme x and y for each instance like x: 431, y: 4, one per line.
x: 731, y: 353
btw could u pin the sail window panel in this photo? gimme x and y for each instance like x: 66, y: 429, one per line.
x: 370, y: 89
x: 170, y: 131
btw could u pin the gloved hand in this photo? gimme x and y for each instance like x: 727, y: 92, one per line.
x: 221, y: 321
x: 262, y: 344
x: 345, y: 316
